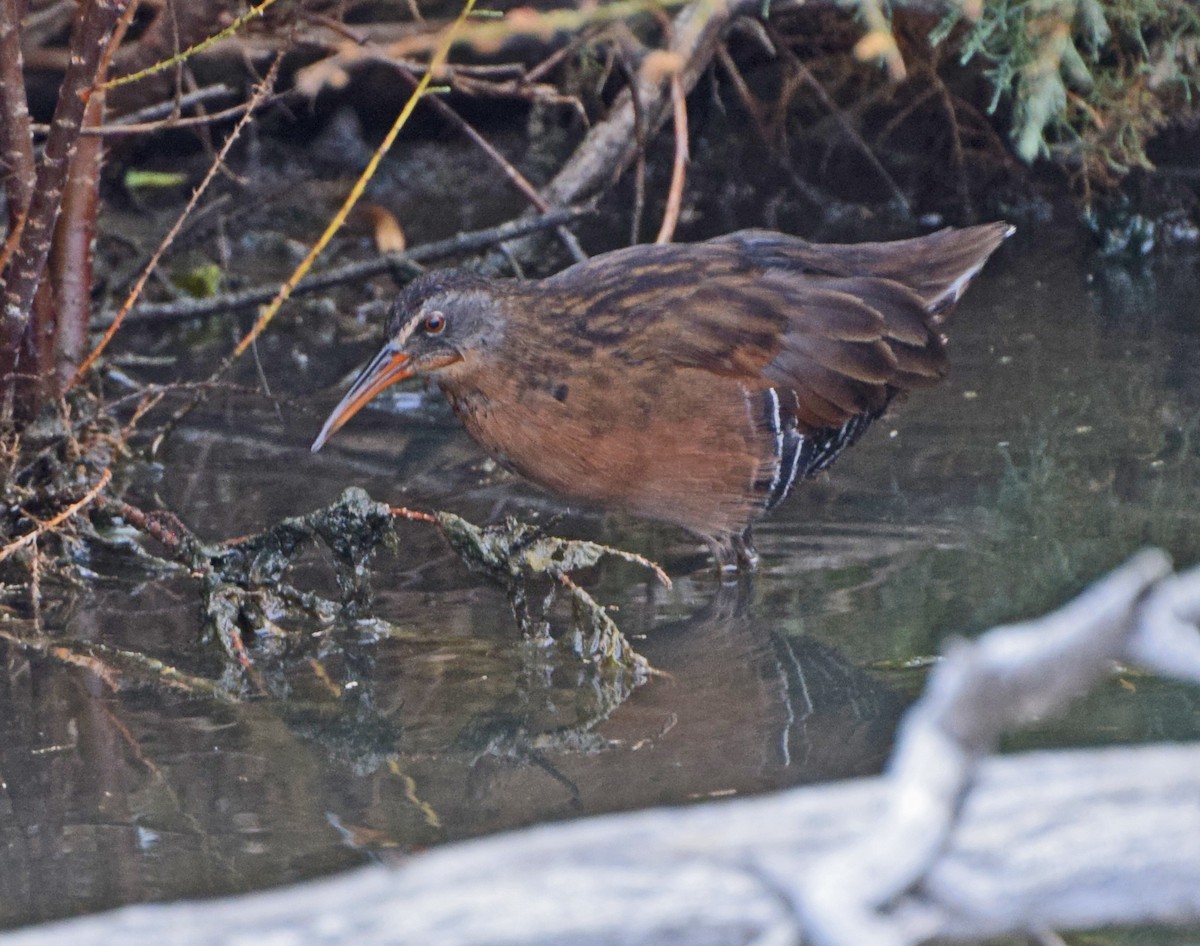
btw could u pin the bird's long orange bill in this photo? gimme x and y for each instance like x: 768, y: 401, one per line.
x: 385, y: 369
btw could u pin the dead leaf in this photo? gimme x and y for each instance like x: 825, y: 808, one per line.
x: 389, y: 235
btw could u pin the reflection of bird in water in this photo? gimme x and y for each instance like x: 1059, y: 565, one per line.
x: 759, y: 707
x: 742, y: 708
x: 693, y: 384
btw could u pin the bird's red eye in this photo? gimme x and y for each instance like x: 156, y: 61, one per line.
x: 435, y: 322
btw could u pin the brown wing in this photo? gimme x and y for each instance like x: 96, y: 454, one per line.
x: 844, y: 345
x: 616, y: 296
x: 845, y: 326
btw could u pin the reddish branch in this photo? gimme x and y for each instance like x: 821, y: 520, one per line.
x: 71, y: 256
x: 16, y: 139
x: 89, y: 41
x: 76, y: 369
x: 679, y: 168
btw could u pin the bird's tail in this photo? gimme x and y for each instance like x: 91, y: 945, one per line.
x: 937, y: 266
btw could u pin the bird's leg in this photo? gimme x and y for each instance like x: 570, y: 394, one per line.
x: 743, y: 548
x: 722, y: 550
x: 734, y: 553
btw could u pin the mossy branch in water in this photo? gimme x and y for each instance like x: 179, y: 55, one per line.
x: 243, y: 587
x: 243, y: 581
x: 1090, y: 80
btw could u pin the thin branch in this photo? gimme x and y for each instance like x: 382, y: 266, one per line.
x: 639, y: 170
x: 176, y: 105
x: 474, y: 240
x: 268, y: 312
x: 749, y: 103
x: 612, y: 145
x: 165, y: 116
x: 59, y: 518
x: 167, y: 124
x: 679, y: 169
x: 957, y: 158
x: 180, y: 57
x: 284, y: 292
x: 518, y: 180
x: 261, y: 91
x: 848, y: 129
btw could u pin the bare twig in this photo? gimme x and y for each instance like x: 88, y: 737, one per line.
x: 471, y: 241
x: 518, y: 180
x: 639, y: 169
x: 679, y: 168
x: 58, y: 518
x: 957, y: 158
x: 176, y: 106
x: 612, y: 145
x: 442, y: 52
x: 260, y: 93
x: 163, y: 65
x: 117, y: 130
x: 568, y: 49
x: 848, y: 129
x: 743, y: 91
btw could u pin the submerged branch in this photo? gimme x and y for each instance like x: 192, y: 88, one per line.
x: 261, y: 92
x: 119, y: 669
x: 521, y: 558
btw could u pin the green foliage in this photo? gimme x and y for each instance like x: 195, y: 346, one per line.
x: 199, y: 282
x: 1090, y: 81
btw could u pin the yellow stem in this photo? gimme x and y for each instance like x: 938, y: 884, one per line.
x: 439, y: 59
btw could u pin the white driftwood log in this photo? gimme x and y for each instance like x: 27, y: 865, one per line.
x: 947, y: 844
x: 1048, y: 840
x: 871, y: 892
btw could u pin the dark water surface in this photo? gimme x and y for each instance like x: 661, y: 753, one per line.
x: 1065, y: 439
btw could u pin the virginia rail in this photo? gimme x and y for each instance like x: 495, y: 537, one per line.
x: 693, y: 384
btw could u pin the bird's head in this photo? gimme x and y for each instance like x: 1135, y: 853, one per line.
x: 434, y: 324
